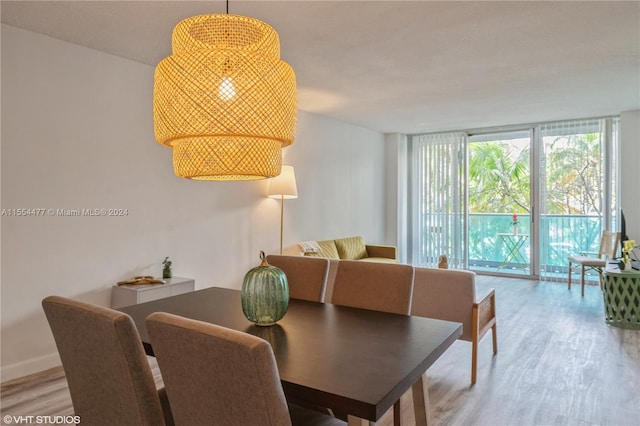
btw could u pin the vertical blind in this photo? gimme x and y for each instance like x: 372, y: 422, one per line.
x: 576, y: 193
x: 439, y: 200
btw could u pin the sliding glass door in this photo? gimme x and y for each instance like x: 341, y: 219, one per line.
x: 500, y: 202
x: 515, y: 202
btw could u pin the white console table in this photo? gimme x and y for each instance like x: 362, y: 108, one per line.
x: 128, y: 294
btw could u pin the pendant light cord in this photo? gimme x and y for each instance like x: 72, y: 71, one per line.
x: 227, y: 7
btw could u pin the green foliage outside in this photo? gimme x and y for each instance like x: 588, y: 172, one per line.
x: 499, y: 185
x: 575, y: 183
x: 499, y: 176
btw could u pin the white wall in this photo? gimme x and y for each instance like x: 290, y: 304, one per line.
x: 341, y: 176
x: 397, y: 194
x: 630, y: 165
x: 77, y: 132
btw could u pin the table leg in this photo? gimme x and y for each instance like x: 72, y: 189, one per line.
x: 513, y: 251
x: 420, y: 392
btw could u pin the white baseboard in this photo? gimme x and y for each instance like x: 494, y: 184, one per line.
x: 28, y: 367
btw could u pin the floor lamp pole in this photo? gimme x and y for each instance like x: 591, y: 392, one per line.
x: 283, y: 186
x: 281, y: 220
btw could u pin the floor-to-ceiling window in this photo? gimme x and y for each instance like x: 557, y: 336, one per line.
x: 577, y: 188
x: 516, y: 201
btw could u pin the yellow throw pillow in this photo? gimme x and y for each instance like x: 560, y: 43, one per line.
x: 327, y: 249
x: 351, y: 248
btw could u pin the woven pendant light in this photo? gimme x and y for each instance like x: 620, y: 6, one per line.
x: 224, y: 101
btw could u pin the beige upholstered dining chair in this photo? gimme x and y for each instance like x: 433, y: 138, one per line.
x: 384, y: 287
x: 307, y: 276
x: 109, y: 376
x: 608, y: 246
x: 212, y: 372
x: 450, y: 295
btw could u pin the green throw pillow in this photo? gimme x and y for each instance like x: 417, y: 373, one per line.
x: 352, y: 248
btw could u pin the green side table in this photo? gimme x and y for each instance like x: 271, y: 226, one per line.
x: 622, y: 297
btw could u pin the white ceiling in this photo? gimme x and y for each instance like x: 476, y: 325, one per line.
x: 396, y: 66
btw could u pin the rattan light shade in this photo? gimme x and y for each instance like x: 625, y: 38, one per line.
x: 224, y: 101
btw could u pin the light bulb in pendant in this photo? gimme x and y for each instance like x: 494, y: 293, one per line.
x: 227, y: 91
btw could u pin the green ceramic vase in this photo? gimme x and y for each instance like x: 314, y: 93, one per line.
x: 265, y: 294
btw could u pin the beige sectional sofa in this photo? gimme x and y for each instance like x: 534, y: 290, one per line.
x: 349, y: 248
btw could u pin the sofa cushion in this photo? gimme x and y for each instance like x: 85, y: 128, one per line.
x: 351, y: 248
x: 327, y: 249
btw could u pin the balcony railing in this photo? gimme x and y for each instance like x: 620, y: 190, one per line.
x: 492, y: 245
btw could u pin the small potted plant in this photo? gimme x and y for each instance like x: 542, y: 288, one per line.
x: 166, y: 268
x: 625, y: 261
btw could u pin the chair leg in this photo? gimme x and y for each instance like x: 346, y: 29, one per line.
x: 397, y: 419
x: 600, y: 279
x: 420, y: 391
x: 474, y: 359
x: 494, y: 334
x: 582, y: 281
x: 570, y: 269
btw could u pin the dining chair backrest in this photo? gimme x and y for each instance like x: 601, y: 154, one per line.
x: 108, y: 374
x: 445, y: 294
x: 216, y: 375
x: 609, y: 245
x: 450, y: 295
x: 385, y: 287
x: 307, y: 276
x: 585, y: 261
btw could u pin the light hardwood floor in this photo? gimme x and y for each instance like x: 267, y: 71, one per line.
x: 558, y: 363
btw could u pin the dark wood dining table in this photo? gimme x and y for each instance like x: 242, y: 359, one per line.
x: 355, y: 361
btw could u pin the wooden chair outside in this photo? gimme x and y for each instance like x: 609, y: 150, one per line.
x: 450, y: 295
x: 109, y: 376
x: 608, y: 246
x: 215, y: 374
x: 307, y: 276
